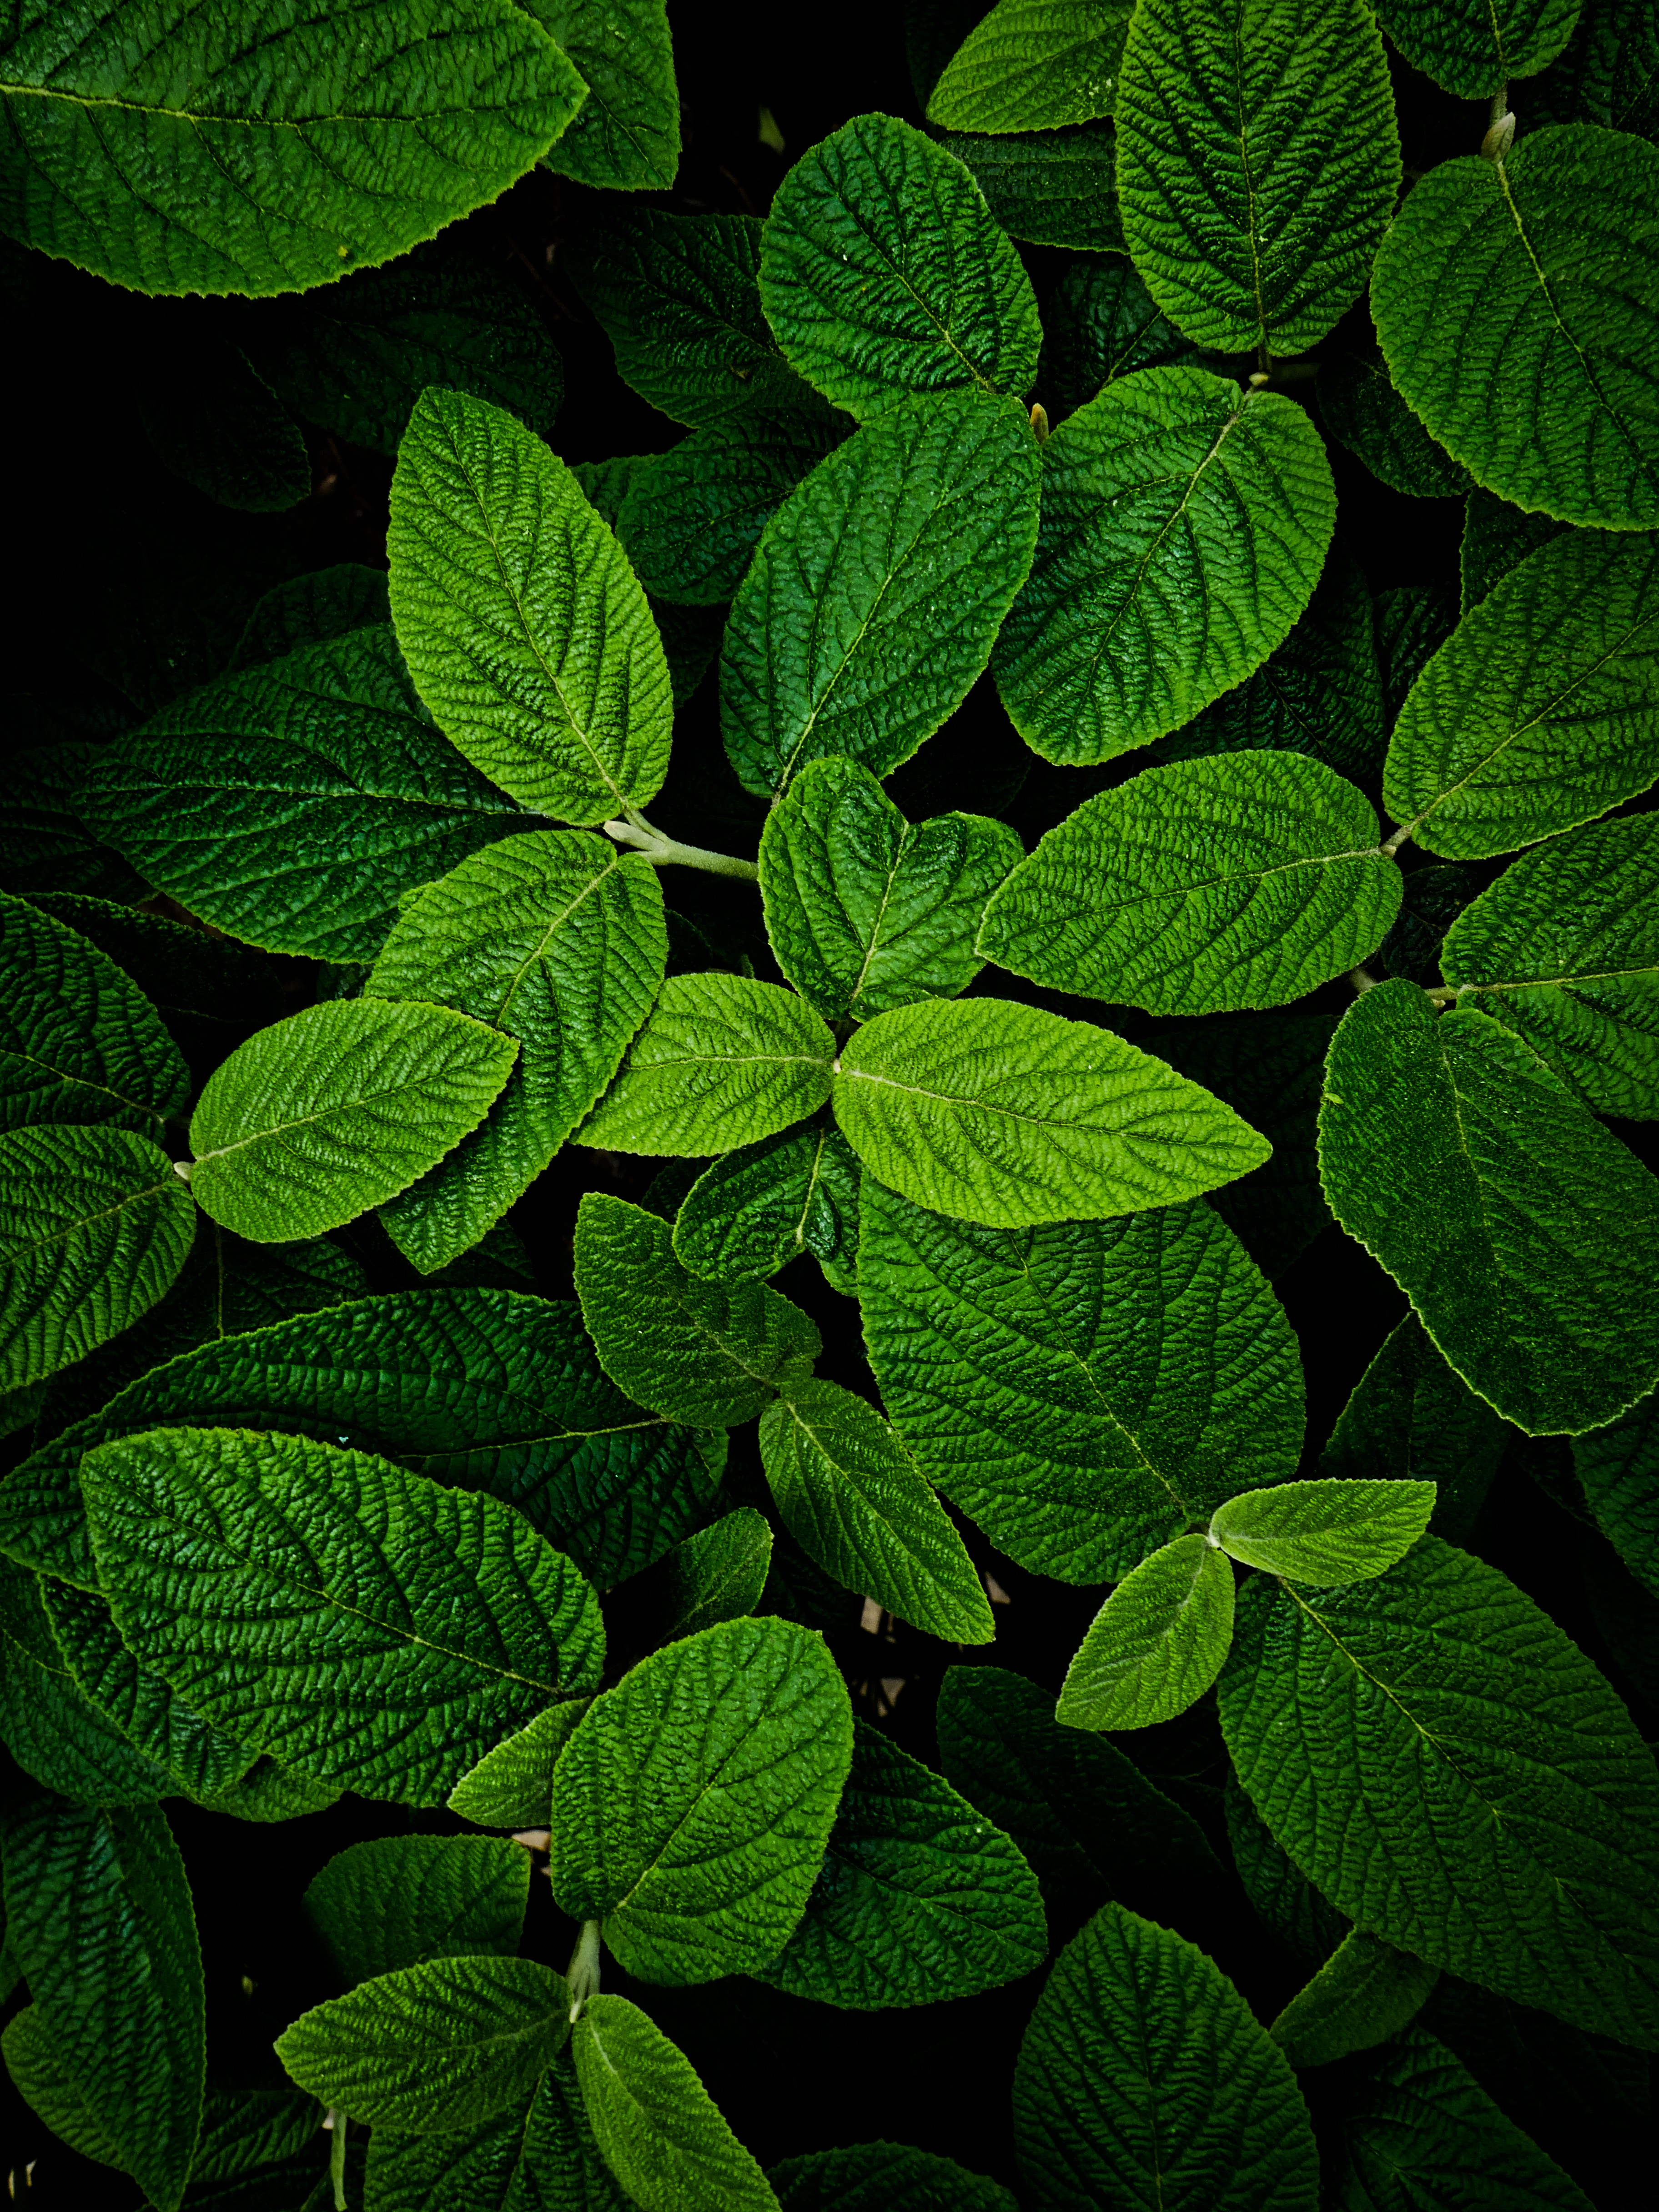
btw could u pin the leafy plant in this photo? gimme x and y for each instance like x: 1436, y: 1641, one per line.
x: 962, y: 969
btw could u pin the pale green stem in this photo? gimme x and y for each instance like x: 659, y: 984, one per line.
x: 583, y: 1972
x: 1402, y: 836
x: 337, y: 2121
x: 1362, y: 979
x: 668, y: 852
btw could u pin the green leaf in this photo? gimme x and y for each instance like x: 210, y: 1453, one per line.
x: 1032, y: 66
x: 882, y: 2177
x: 884, y: 274
x: 626, y: 135
x: 1537, y: 713
x: 678, y: 297
x: 537, y: 2156
x: 50, y: 2091
x: 1538, y: 273
x: 1411, y: 1419
x: 336, y: 1109
x: 721, y: 1058
x: 1257, y: 165
x: 1414, y: 621
x: 98, y: 1913
x: 556, y: 940
x: 854, y: 1500
x: 1484, y: 1799
x: 269, y: 1792
x: 720, y: 1574
x: 1052, y: 188
x: 1471, y: 50
x: 97, y: 1227
x: 875, y: 597
x: 1003, y: 1114
x: 1336, y: 1530
x: 692, y: 1806
x: 1608, y: 72
x: 1142, y: 605
x: 232, y: 1561
x: 1363, y: 411
x: 309, y: 610
x: 1516, y: 1224
x: 1103, y: 323
x: 55, y: 1733
x: 1144, y: 2080
x: 397, y: 1901
x: 78, y: 1041
x: 919, y: 1900
x: 1431, y: 901
x: 1156, y: 1644
x: 526, y: 630
x: 1618, y: 1467
x: 433, y: 2047
x: 1204, y: 887
x: 290, y: 804
x: 1017, y: 1367
x: 755, y: 1210
x: 1497, y: 538
x: 660, y: 2130
x: 865, y: 910
x: 214, y: 421
x: 1286, y: 1903
x: 1564, y: 949
x: 260, y: 153
x: 244, y: 2128
x: 46, y: 845
x: 512, y: 1786
x: 1366, y: 1992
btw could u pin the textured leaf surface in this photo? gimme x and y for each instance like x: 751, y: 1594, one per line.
x: 512, y: 1785
x: 660, y: 2130
x: 1537, y: 273
x: 1258, y: 162
x: 692, y: 1806
x: 854, y: 1500
x: 919, y: 1898
x: 882, y: 2177
x: 1017, y: 1367
x: 1619, y: 1468
x: 758, y: 1208
x: 1102, y: 322
x: 1142, y: 605
x: 556, y: 940
x: 1288, y: 1905
x: 1362, y: 408
x: 396, y: 1901
x: 79, y: 1042
x: 721, y: 1059
x: 1564, y: 948
x: 1472, y: 50
x: 263, y: 152
x: 1365, y: 1993
x: 338, y: 1109
x: 875, y: 598
x: 626, y: 135
x: 1332, y: 1531
x: 1032, y: 66
x: 1156, y: 1644
x: 1516, y: 1223
x: 1497, y: 538
x: 233, y: 1560
x: 1205, y: 887
x: 55, y: 1733
x: 865, y: 909
x: 525, y: 630
x: 1538, y: 711
x: 1608, y: 72
x: 537, y: 2156
x: 50, y: 2090
x: 432, y: 2047
x: 883, y: 273
x: 1050, y: 187
x: 719, y: 1574
x: 1482, y: 1798
x: 1144, y: 2080
x: 97, y: 1227
x: 1411, y: 1419
x: 98, y: 1914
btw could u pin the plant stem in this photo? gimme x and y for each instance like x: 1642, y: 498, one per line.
x: 1362, y: 979
x: 335, y: 2122
x: 1402, y: 836
x: 583, y: 1972
x: 668, y: 852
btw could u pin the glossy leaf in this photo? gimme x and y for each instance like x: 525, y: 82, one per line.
x: 396, y: 1901
x: 1472, y: 50
x: 1331, y: 1531
x: 1156, y: 1644
x: 1030, y: 66
x: 626, y: 134
x: 1411, y: 1419
x: 660, y: 2130
x: 753, y: 1212
x: 1365, y: 1993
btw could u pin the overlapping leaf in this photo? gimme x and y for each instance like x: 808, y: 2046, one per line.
x: 1335, y: 1530
x: 1361, y: 407
x: 661, y: 2133
x: 396, y: 1901
x: 1473, y: 50
x: 1051, y: 187
x: 882, y: 2177
x: 753, y: 1212
x: 1031, y: 66
x: 1156, y: 1644
x: 1618, y: 1467
x: 626, y: 134
x: 1411, y: 1419
x: 1366, y: 1992
x: 1102, y: 322
x: 78, y: 1042
x: 539, y: 2153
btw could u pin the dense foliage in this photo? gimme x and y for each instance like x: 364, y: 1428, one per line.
x: 823, y: 1176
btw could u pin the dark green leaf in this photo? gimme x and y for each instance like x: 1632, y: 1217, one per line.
x: 626, y: 135
x: 1472, y: 46
x: 1102, y: 323
x: 758, y: 1208
x: 512, y: 1786
x: 1497, y: 537
x: 308, y: 609
x: 399, y: 1901
x: 882, y: 2177
x: 720, y: 1574
x: 1030, y: 65
x: 660, y: 2130
x: 1364, y: 412
x: 50, y: 2090
x: 537, y: 2156
x: 215, y: 420
x: 1411, y: 1418
x: 1365, y: 1993
x: 1051, y: 188
x: 53, y: 1731
x: 1618, y: 1467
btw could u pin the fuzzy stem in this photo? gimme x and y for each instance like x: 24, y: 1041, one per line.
x: 335, y: 2122
x: 1362, y: 979
x: 583, y: 1972
x: 668, y: 852
x: 1402, y: 836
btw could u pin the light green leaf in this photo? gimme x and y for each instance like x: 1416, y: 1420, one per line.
x: 1516, y: 1224
x: 626, y: 135
x: 1156, y: 1644
x: 1051, y: 188
x: 1364, y: 411
x: 1143, y: 604
x: 865, y: 910
x: 1030, y: 65
x: 1204, y: 887
x: 98, y: 1914
x: 751, y: 1212
x: 396, y: 1901
x: 1101, y: 322
x: 1618, y: 1467
x: 290, y: 804
x: 55, y: 1733
x: 97, y: 1227
x: 919, y: 1898
x: 259, y: 151
x: 1257, y: 164
x: 556, y: 940
x: 526, y: 630
x: 1002, y: 1114
x: 692, y: 1806
x: 720, y: 1574
x: 512, y: 1786
x: 884, y: 274
x: 1564, y: 948
x: 854, y: 1500
x: 1366, y: 1992
x: 1411, y: 1419
x: 1484, y: 1799
x: 721, y: 1059
x: 233, y: 1561
x: 1471, y: 47
x: 875, y: 597
x: 1500, y: 280
x: 537, y: 2156
x: 214, y: 421
x: 1538, y: 713
x: 1337, y: 1530
x: 1017, y: 1367
x: 432, y: 2047
x: 882, y: 2177
x: 660, y: 2130
x: 50, y: 2091
x: 78, y: 1041
x: 1144, y: 2080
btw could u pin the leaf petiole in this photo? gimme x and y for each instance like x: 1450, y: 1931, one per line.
x: 666, y: 852
x: 583, y: 1972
